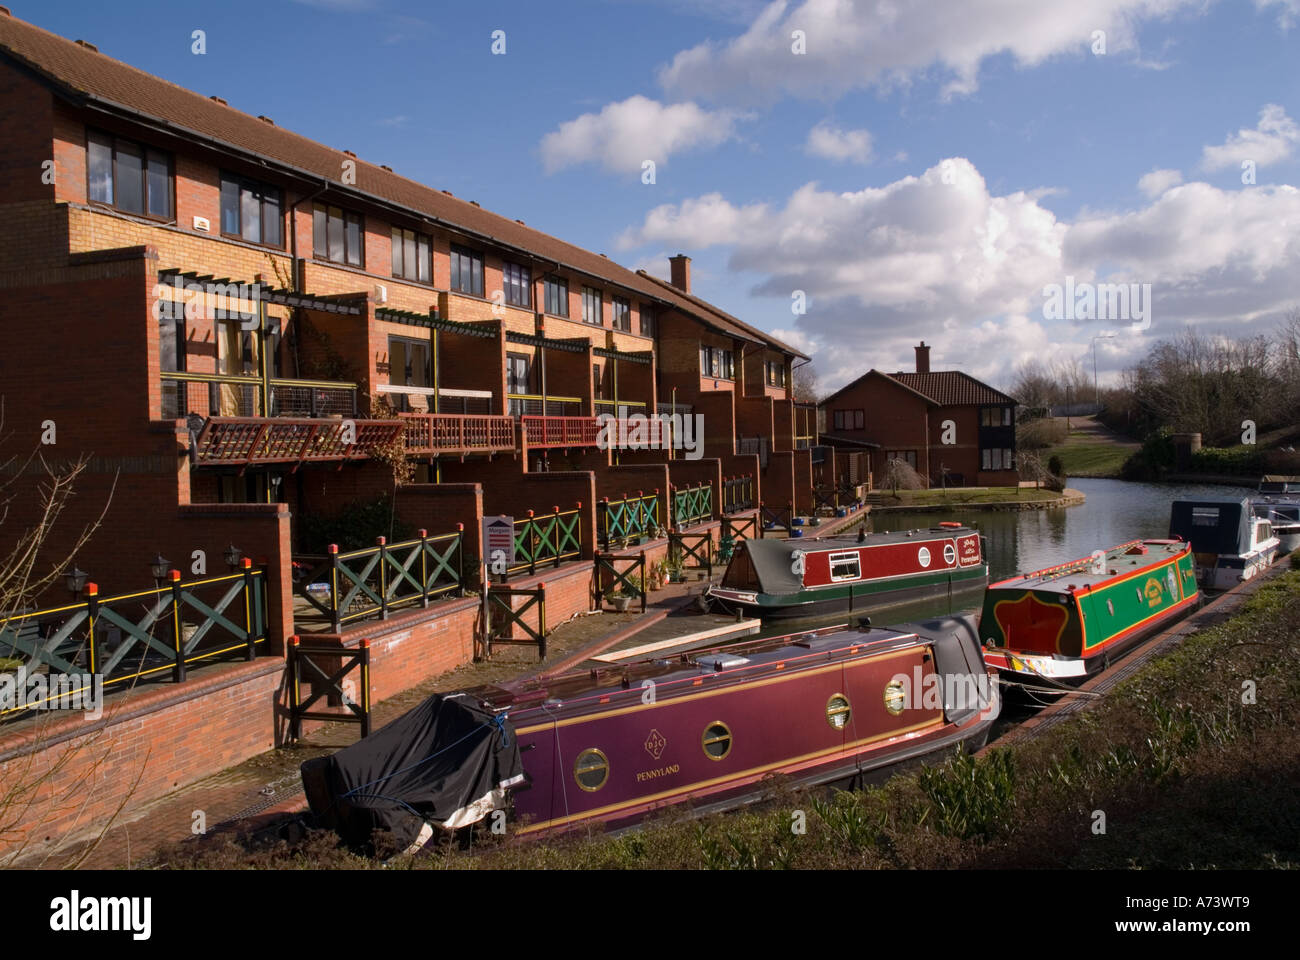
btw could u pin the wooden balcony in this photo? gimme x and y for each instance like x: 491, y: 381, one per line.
x: 560, y: 431
x: 245, y: 441
x: 427, y: 434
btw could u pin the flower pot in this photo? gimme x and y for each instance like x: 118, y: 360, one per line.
x: 620, y: 604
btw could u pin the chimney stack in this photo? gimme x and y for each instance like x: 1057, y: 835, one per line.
x: 922, y: 358
x: 681, y: 274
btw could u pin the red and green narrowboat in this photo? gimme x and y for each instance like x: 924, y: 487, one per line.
x: 606, y: 747
x: 786, y: 579
x: 1066, y: 622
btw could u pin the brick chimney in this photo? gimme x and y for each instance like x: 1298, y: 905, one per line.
x: 922, y: 358
x: 681, y: 272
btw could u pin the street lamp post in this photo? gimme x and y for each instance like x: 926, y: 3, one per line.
x: 1096, y: 392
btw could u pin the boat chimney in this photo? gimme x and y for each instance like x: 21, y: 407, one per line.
x: 922, y: 357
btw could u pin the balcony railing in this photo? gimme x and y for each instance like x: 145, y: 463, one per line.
x: 616, y: 407
x: 737, y: 493
x: 430, y: 433
x: 692, y: 505
x: 249, y: 440
x: 620, y: 521
x: 527, y: 404
x: 560, y: 431
x: 228, y: 395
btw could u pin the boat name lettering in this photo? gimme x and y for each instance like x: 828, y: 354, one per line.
x: 657, y: 772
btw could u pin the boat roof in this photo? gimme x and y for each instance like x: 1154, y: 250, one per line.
x: 772, y: 558
x: 579, y: 689
x: 1121, y: 559
x: 1216, y: 525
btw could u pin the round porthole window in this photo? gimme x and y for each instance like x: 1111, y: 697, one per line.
x: 591, y: 770
x: 895, y: 697
x: 837, y: 711
x: 716, y: 740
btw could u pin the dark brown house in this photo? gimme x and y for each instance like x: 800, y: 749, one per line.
x: 948, y: 426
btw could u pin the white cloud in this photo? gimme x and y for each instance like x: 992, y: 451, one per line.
x: 1158, y: 181
x: 852, y: 45
x: 1287, y: 15
x: 625, y: 134
x: 939, y: 256
x: 832, y: 143
x: 1272, y: 139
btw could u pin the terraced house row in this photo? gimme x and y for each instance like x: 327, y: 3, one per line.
x: 264, y: 348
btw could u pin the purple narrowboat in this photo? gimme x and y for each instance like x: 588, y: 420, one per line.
x: 610, y: 746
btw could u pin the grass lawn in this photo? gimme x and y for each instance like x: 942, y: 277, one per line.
x: 1090, y: 459
x: 959, y: 495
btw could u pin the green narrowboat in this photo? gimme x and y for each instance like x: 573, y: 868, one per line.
x: 1065, y: 623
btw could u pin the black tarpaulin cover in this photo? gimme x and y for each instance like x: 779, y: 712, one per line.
x: 446, y: 762
x: 1212, y: 526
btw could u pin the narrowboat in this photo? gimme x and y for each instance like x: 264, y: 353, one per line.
x: 787, y: 579
x: 1230, y: 543
x: 1065, y: 623
x: 607, y: 747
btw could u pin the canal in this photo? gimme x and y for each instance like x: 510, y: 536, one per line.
x: 1020, y: 541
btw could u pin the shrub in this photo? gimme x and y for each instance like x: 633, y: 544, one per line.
x: 353, y: 527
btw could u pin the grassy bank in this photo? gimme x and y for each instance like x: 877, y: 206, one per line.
x: 1188, y: 770
x: 958, y: 496
x: 1089, y: 449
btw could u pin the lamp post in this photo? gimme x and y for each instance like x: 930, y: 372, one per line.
x: 159, y: 567
x: 1096, y: 392
x: 76, y: 581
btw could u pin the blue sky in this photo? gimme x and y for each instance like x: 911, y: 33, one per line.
x: 921, y: 170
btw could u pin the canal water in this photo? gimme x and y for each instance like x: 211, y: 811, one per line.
x: 1017, y: 542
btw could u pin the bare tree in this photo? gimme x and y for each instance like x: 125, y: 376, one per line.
x: 899, y: 473
x: 804, y: 383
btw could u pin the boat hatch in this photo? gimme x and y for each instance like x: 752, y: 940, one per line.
x: 720, y: 661
x: 821, y: 643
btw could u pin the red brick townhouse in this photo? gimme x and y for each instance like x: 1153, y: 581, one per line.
x: 945, y: 424
x: 257, y: 344
x: 742, y: 384
x: 375, y: 326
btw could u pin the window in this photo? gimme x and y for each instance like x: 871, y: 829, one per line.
x: 845, y: 566
x: 591, y: 770
x: 251, y: 211
x: 995, y: 417
x: 859, y: 420
x: 907, y: 456
x: 647, y: 320
x: 408, y: 366
x: 467, y: 271
x: 850, y: 420
x: 517, y: 373
x: 595, y: 381
x: 591, y: 308
x: 130, y: 177
x: 336, y: 234
x: 837, y: 711
x: 518, y: 283
x: 557, y: 297
x: 411, y: 255
x: 839, y: 419
x: 622, y: 314
x: 716, y: 740
x: 716, y: 362
x: 775, y: 373
x: 997, y: 459
x: 1205, y: 516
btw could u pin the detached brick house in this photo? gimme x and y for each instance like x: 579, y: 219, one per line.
x: 946, y: 425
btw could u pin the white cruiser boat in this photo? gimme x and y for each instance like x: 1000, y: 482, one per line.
x: 1230, y: 542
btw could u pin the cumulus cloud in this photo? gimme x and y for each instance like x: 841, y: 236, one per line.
x: 833, y: 143
x: 1158, y: 181
x: 625, y: 134
x: 1271, y: 140
x: 940, y: 256
x: 850, y: 45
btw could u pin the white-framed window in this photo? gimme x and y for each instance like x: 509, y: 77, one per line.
x: 845, y: 566
x: 996, y: 458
